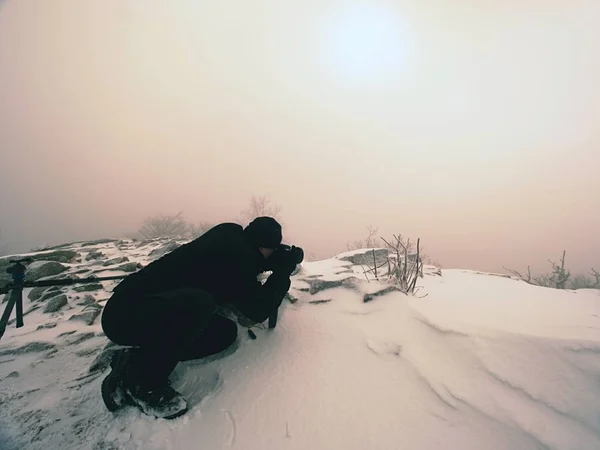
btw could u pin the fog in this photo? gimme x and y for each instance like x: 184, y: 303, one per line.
x: 472, y: 125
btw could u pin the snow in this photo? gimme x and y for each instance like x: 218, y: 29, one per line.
x: 472, y: 361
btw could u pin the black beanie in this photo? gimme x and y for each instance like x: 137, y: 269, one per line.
x: 264, y: 232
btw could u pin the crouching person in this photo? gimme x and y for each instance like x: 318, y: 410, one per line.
x: 167, y: 312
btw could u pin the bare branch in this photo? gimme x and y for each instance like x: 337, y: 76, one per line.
x: 261, y: 206
x: 596, y: 275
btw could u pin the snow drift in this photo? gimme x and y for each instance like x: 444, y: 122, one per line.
x: 473, y: 361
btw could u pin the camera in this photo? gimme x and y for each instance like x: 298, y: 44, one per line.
x: 285, y: 255
x: 293, y: 252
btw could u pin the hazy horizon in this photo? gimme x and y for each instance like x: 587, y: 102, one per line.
x: 475, y: 127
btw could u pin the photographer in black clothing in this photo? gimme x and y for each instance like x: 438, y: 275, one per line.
x: 166, y: 312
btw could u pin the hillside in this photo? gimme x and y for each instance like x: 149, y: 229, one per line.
x: 473, y: 361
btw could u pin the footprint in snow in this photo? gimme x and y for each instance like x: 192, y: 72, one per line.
x: 196, y: 383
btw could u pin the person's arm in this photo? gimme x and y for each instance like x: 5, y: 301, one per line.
x: 259, y: 300
x: 243, y: 291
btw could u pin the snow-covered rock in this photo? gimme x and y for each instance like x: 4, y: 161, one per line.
x: 472, y: 361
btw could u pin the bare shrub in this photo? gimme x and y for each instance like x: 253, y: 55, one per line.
x: 402, y: 267
x: 560, y: 277
x: 371, y: 241
x: 196, y: 230
x: 162, y: 225
x: 260, y: 206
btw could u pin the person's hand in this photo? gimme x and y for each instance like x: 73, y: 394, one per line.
x: 285, y: 264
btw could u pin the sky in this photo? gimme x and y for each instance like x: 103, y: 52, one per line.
x: 473, y: 125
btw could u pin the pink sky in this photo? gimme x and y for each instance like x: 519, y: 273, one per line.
x: 474, y: 126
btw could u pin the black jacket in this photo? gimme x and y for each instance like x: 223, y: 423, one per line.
x: 221, y: 262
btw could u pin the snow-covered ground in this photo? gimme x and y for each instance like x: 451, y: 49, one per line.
x: 473, y: 361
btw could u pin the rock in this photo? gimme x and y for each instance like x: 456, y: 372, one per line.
x: 317, y: 302
x: 36, y: 293
x: 87, y: 351
x: 32, y: 347
x: 5, y: 277
x: 79, y: 338
x: 94, y: 255
x: 87, y: 300
x: 14, y: 374
x: 88, y: 317
x: 56, y: 304
x: 322, y: 285
x: 98, y: 241
x: 67, y: 333
x: 163, y: 250
x: 87, y: 287
x: 129, y: 267
x: 102, y: 361
x: 119, y: 260
x: 366, y: 258
x: 42, y: 269
x: 50, y: 294
x: 61, y: 256
x: 290, y: 298
x: 368, y: 297
x: 47, y: 325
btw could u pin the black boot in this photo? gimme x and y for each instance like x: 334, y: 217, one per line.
x: 113, y: 386
x: 162, y: 402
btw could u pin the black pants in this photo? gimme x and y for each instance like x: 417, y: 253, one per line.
x: 166, y: 328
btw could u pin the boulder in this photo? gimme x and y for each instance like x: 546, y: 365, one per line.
x: 87, y: 300
x: 50, y: 294
x: 61, y: 256
x: 36, y: 293
x: 94, y: 255
x: 164, y: 249
x: 102, y: 361
x: 56, y: 304
x: 366, y: 258
x: 88, y: 316
x: 129, y: 267
x: 118, y: 260
x: 43, y: 269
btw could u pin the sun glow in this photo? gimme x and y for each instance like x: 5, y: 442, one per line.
x: 366, y: 43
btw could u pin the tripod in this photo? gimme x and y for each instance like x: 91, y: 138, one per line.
x: 17, y: 270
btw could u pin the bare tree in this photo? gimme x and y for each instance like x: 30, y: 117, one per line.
x: 527, y: 279
x: 196, y: 230
x: 560, y: 276
x: 370, y: 242
x: 164, y: 226
x: 261, y: 206
x: 596, y: 275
